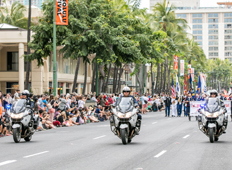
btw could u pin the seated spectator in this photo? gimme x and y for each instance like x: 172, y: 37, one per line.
x: 45, y: 121
x: 91, y: 115
x: 61, y: 118
x: 100, y: 113
x: 2, y: 126
x: 51, y: 112
x: 57, y: 114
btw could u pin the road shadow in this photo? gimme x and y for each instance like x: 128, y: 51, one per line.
x: 21, y: 142
x: 120, y: 144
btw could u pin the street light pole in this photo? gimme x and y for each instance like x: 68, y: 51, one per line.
x: 54, y: 49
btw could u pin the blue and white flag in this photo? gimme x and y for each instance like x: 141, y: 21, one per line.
x: 177, y: 86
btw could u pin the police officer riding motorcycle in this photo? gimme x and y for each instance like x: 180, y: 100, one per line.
x: 213, y: 120
x: 24, y: 123
x: 125, y: 121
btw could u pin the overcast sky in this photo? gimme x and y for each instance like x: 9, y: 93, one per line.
x: 203, y: 3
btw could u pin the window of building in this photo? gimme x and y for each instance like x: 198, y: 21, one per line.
x: 197, y: 20
x: 228, y: 20
x: 181, y: 15
x: 213, y: 48
x: 227, y: 14
x: 228, y: 53
x: 228, y: 32
x: 228, y: 48
x: 228, y: 26
x: 213, y: 43
x: 197, y: 15
x: 228, y: 42
x: 228, y: 36
x: 197, y: 32
x: 213, y: 26
x: 198, y: 37
x: 199, y: 42
x: 213, y: 31
x: 212, y: 15
x: 213, y: 37
x: 213, y: 54
x: 12, y: 61
x: 11, y: 87
x: 197, y: 26
x: 213, y: 20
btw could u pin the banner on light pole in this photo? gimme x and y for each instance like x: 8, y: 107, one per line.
x: 181, y: 67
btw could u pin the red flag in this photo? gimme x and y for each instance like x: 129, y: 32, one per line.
x: 185, y: 87
x: 175, y: 62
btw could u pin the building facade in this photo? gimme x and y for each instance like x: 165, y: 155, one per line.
x: 212, y: 30
x: 13, y: 46
x: 180, y: 4
x: 35, y: 3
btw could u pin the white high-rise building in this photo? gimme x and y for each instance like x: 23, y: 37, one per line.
x: 212, y: 29
x: 180, y: 4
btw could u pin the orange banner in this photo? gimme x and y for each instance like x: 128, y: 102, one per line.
x: 175, y: 62
x: 61, y: 12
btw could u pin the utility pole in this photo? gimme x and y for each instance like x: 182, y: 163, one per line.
x: 54, y: 49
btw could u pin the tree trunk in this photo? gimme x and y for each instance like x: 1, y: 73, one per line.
x: 165, y: 74
x: 169, y: 71
x: 114, y: 78
x: 76, y: 75
x: 28, y: 48
x: 85, y: 80
x: 152, y: 81
x: 93, y: 78
x: 157, y: 79
x: 107, y: 80
x: 119, y: 79
x: 161, y: 83
x: 140, y: 84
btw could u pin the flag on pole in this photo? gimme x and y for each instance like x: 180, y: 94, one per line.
x: 173, y: 89
x: 177, y: 85
x: 185, y: 83
x: 190, y: 84
x: 203, y: 83
x: 199, y: 84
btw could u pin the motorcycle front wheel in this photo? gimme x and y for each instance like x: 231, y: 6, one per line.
x: 124, y: 136
x: 16, y: 135
x: 211, y: 135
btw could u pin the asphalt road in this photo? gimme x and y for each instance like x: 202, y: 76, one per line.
x: 163, y: 144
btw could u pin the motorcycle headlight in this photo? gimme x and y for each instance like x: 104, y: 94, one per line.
x: 215, y: 114
x: 126, y: 115
x: 16, y: 116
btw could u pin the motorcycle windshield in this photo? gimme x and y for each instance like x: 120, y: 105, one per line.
x: 212, y: 105
x: 19, y: 106
x: 125, y: 104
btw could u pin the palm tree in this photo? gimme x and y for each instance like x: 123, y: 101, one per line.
x: 85, y: 79
x: 164, y: 19
x: 13, y: 16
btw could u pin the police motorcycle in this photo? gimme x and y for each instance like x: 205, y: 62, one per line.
x: 213, y: 120
x: 22, y: 124
x: 123, y: 122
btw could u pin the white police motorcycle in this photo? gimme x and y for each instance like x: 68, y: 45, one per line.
x: 213, y: 120
x: 123, y: 122
x: 22, y: 124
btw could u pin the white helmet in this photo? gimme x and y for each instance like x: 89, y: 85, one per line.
x: 126, y: 89
x: 25, y: 92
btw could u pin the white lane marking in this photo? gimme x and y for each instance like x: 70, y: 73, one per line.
x: 186, y: 136
x: 161, y: 153
x: 100, y: 137
x: 35, y: 154
x: 154, y: 123
x: 7, y: 162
